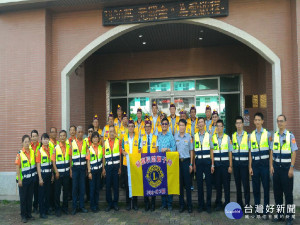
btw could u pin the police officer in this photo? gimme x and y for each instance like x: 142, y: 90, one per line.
x: 44, y: 170
x: 173, y: 119
x: 204, y: 164
x: 240, y: 155
x: 94, y: 166
x: 61, y: 166
x: 88, y: 139
x: 259, y: 143
x: 78, y: 170
x: 166, y: 143
x: 221, y: 145
x: 184, y: 144
x: 35, y: 145
x: 148, y: 144
x: 283, y: 156
x: 26, y: 174
x: 130, y: 145
x: 112, y: 170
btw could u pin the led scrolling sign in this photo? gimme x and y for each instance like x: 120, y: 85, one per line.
x: 164, y: 11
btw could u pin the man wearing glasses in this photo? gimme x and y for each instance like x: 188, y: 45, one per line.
x: 221, y: 145
x: 166, y: 143
x: 240, y: 155
x: 282, y: 162
x: 148, y: 145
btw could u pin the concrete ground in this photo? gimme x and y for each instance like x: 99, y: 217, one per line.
x: 10, y: 214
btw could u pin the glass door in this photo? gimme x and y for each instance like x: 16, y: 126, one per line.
x: 135, y: 103
x: 162, y: 103
x: 204, y: 100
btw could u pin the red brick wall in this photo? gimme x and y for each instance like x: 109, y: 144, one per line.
x: 22, y: 80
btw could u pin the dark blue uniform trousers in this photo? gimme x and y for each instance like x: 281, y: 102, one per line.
x: 283, y: 184
x: 206, y: 169
x: 185, y: 181
x: 261, y: 173
x: 64, y: 180
x: 94, y: 184
x: 78, y: 186
x: 26, y: 195
x: 44, y: 194
x: 112, y: 180
x: 241, y: 176
x: 222, y: 179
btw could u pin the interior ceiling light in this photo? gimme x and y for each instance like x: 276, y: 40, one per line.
x: 140, y: 36
x: 144, y: 42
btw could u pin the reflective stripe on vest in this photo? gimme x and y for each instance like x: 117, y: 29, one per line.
x: 282, y: 154
x: 28, y: 168
x: 78, y: 158
x: 62, y: 161
x: 152, y: 146
x: 96, y: 161
x: 261, y: 151
x: 202, y: 151
x: 135, y: 146
x: 112, y: 157
x: 220, y: 154
x: 46, y: 164
x: 240, y: 152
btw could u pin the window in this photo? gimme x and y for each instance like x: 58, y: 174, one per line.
x: 118, y: 89
x: 139, y: 87
x: 160, y: 86
x: 207, y: 84
x: 184, y: 85
x: 142, y: 101
x: 230, y: 83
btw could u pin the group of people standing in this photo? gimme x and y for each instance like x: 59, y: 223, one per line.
x: 44, y: 168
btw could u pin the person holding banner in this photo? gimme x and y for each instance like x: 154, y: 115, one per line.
x: 166, y: 143
x: 184, y: 144
x: 221, y: 145
x: 112, y: 158
x: 149, y: 145
x: 130, y: 145
x: 204, y: 164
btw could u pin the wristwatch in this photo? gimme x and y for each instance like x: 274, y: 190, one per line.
x: 292, y: 166
x: 191, y: 164
x: 212, y: 165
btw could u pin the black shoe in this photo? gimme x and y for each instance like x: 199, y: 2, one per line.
x: 58, y: 214
x: 50, y: 213
x: 152, y: 208
x: 30, y: 217
x: 43, y: 216
x: 200, y: 209
x: 35, y: 210
x: 181, y: 209
x: 170, y: 208
x: 208, y: 210
x: 128, y: 208
x: 74, y: 211
x: 289, y: 222
x: 24, y: 220
x: 65, y: 211
x: 135, y: 207
x: 116, y: 208
x: 265, y: 217
x: 83, y: 210
x: 108, y: 208
x: 147, y: 207
x: 218, y: 208
x: 163, y: 207
x: 190, y: 210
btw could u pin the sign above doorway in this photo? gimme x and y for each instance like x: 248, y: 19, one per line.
x: 164, y: 11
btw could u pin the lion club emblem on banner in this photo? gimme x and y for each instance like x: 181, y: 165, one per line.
x: 154, y: 176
